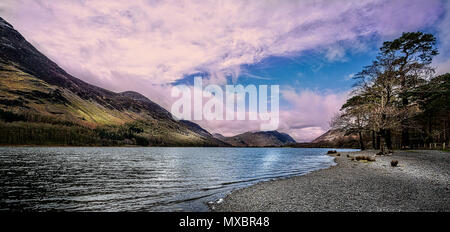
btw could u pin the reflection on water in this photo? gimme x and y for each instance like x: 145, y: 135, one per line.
x: 140, y: 179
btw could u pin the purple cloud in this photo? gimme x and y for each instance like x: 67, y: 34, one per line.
x: 145, y: 45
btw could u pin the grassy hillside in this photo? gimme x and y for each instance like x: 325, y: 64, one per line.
x: 41, y: 104
x: 33, y: 112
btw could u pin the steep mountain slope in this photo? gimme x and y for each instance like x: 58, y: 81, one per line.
x: 37, y: 95
x: 333, y: 139
x: 329, y: 136
x: 219, y: 136
x: 258, y: 139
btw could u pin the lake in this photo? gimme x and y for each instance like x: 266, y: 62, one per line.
x: 141, y: 179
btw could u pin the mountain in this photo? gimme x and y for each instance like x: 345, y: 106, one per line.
x: 337, y: 138
x: 330, y: 136
x: 219, y: 136
x: 258, y: 139
x: 333, y: 139
x: 40, y: 103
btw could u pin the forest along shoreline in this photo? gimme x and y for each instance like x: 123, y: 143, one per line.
x: 418, y: 182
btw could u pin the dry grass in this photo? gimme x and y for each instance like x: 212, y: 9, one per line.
x: 363, y: 158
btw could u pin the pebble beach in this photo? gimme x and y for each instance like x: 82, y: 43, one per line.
x: 420, y: 182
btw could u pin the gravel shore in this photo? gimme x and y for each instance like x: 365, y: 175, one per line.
x: 420, y: 182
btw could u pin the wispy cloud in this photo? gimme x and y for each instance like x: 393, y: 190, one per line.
x: 159, y: 41
x: 349, y: 76
x: 310, y: 112
x: 306, y: 117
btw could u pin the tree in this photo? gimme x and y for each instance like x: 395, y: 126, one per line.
x: 382, y: 102
x: 411, y: 56
x: 433, y: 99
x: 353, y: 118
x: 378, y: 86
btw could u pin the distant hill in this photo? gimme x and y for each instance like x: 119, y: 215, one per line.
x: 219, y: 136
x: 41, y: 104
x: 258, y: 139
x: 333, y: 138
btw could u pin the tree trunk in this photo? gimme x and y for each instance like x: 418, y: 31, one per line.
x: 361, y: 142
x: 448, y: 131
x: 388, y: 139
x: 405, y: 137
x: 445, y: 131
x: 385, y: 140
x: 430, y: 128
x: 382, y: 149
x: 404, y: 125
x: 378, y: 141
x: 374, y: 143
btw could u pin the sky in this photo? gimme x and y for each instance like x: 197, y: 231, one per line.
x: 310, y: 48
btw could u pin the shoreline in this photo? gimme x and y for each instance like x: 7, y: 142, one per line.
x: 119, y: 146
x: 421, y: 182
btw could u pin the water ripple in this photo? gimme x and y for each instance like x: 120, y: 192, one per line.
x: 140, y: 179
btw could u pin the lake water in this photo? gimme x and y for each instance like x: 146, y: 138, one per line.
x: 140, y: 179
